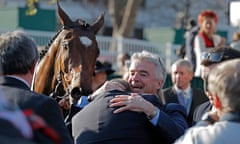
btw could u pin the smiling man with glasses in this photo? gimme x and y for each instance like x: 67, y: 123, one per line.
x: 209, y: 60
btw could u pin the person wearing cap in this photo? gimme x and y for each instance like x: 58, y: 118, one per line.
x: 101, y: 71
x: 236, y: 40
x: 209, y: 61
x: 206, y: 38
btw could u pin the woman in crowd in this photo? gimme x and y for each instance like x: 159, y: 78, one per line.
x: 207, y: 37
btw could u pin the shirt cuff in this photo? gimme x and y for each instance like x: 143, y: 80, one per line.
x: 154, y: 120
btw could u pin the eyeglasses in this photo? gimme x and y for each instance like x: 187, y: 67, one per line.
x: 213, y: 57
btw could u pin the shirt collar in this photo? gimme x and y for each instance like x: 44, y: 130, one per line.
x: 21, y: 79
x: 188, y: 90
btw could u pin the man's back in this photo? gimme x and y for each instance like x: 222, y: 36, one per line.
x: 96, y: 123
x: 9, y: 134
x: 224, y: 131
x: 18, y: 93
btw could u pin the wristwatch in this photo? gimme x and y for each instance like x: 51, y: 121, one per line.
x: 153, y: 114
x: 206, y: 117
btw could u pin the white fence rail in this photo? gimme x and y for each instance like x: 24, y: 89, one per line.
x: 110, y: 53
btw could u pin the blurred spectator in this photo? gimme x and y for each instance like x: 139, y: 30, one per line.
x: 101, y: 72
x: 123, y: 64
x: 192, y: 31
x: 236, y: 41
x: 207, y: 38
x: 181, y: 92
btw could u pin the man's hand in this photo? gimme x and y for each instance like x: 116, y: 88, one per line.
x: 134, y: 102
x: 65, y: 103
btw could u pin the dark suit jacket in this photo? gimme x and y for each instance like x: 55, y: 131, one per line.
x: 200, y: 110
x: 47, y: 108
x: 9, y: 134
x: 198, y: 97
x: 96, y: 123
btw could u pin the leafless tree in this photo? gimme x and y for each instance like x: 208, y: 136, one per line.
x: 123, y: 14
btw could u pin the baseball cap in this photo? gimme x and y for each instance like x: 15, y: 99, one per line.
x: 218, y: 55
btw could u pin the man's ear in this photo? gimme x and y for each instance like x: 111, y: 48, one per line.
x: 160, y: 84
x: 217, y: 102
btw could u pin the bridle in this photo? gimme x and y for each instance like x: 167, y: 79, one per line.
x: 55, y: 93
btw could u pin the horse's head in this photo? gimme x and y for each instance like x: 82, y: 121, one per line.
x: 71, y: 57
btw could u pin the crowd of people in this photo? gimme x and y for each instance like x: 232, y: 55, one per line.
x: 131, y: 109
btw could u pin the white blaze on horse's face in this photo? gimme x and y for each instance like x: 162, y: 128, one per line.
x: 85, y: 41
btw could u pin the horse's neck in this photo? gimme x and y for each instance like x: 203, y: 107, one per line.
x: 45, y: 70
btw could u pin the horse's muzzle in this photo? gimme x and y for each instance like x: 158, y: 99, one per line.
x: 77, y: 92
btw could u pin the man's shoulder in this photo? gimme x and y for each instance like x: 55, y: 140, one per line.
x: 199, y: 93
x: 169, y: 93
x: 30, y: 99
x: 34, y: 96
x: 204, y: 105
x: 197, y: 90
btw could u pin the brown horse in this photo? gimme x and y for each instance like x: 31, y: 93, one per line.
x: 67, y: 64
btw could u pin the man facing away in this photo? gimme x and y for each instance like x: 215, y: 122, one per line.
x: 223, y: 86
x: 18, y: 58
x: 181, y: 92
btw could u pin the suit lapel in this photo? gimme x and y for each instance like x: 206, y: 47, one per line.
x: 172, y: 97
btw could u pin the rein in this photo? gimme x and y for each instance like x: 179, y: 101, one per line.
x: 55, y: 93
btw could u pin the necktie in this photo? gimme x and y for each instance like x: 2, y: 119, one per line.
x: 181, y: 98
x: 187, y: 104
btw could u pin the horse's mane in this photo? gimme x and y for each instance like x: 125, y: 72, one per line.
x: 45, y: 50
x: 80, y: 22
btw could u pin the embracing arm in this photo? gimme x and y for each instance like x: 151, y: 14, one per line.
x: 171, y: 122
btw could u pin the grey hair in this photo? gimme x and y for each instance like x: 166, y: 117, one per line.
x: 18, y: 52
x: 161, y: 72
x: 185, y: 63
x: 224, y: 80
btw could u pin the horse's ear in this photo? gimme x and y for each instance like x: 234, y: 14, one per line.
x: 96, y: 26
x: 62, y: 16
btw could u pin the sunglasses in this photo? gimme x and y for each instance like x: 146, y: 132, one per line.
x: 212, y: 57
